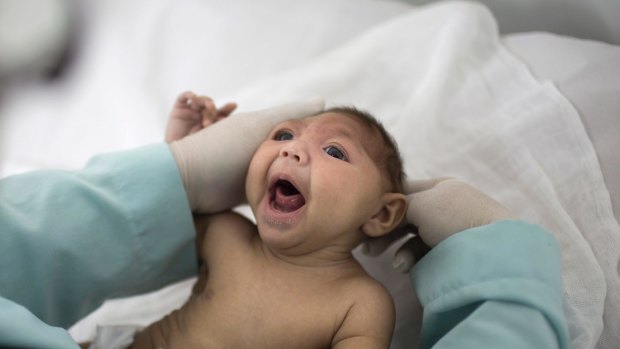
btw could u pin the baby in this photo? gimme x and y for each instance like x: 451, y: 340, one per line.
x: 317, y: 187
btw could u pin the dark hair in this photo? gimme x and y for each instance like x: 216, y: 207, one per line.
x: 392, y: 163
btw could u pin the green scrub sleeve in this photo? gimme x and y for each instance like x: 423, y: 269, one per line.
x: 69, y: 240
x: 495, y: 286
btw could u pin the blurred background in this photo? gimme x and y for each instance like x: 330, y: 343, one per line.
x: 591, y: 19
x: 39, y: 38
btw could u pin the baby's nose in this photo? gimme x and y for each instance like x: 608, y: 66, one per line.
x: 295, y: 153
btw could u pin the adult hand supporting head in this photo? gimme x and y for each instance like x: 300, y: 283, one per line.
x: 440, y: 208
x: 213, y: 162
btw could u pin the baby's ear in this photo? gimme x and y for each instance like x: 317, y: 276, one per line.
x: 388, y: 217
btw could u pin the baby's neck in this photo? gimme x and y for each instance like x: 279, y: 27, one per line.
x: 324, y: 259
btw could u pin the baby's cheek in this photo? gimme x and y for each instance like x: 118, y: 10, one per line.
x: 350, y: 209
x: 253, y: 186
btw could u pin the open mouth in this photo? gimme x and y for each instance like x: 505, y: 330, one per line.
x: 284, y: 197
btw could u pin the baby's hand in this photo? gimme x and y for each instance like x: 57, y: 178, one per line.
x: 192, y: 113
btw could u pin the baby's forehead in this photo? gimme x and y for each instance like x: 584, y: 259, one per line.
x: 340, y: 124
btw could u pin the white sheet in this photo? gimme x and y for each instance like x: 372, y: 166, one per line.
x: 457, y: 102
x: 588, y: 74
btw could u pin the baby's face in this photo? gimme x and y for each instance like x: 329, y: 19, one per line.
x: 313, y: 183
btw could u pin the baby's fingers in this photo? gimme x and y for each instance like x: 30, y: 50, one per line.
x: 184, y: 99
x: 226, y: 110
x: 204, y: 104
x: 212, y: 117
x: 206, y: 107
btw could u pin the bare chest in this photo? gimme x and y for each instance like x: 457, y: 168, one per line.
x: 252, y: 304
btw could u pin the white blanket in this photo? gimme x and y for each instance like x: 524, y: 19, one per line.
x: 457, y: 102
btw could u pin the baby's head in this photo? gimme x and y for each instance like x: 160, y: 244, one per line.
x: 326, y: 182
x: 384, y: 150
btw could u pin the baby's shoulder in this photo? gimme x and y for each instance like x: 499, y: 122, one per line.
x: 224, y: 231
x: 360, y: 289
x: 230, y: 220
x: 369, y: 320
x: 367, y: 291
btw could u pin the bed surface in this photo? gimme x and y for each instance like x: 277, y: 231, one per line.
x: 530, y: 118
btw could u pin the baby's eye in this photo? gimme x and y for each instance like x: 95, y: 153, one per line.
x: 336, y: 153
x: 283, y: 135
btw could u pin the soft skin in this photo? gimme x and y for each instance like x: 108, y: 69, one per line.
x: 291, y: 281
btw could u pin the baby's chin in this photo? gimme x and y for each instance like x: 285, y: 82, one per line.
x: 280, y: 239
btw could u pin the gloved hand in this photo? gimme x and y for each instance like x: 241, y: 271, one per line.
x: 213, y: 162
x: 440, y: 208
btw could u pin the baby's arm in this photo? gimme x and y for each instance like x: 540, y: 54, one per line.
x: 220, y: 237
x: 369, y: 323
x: 192, y: 113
